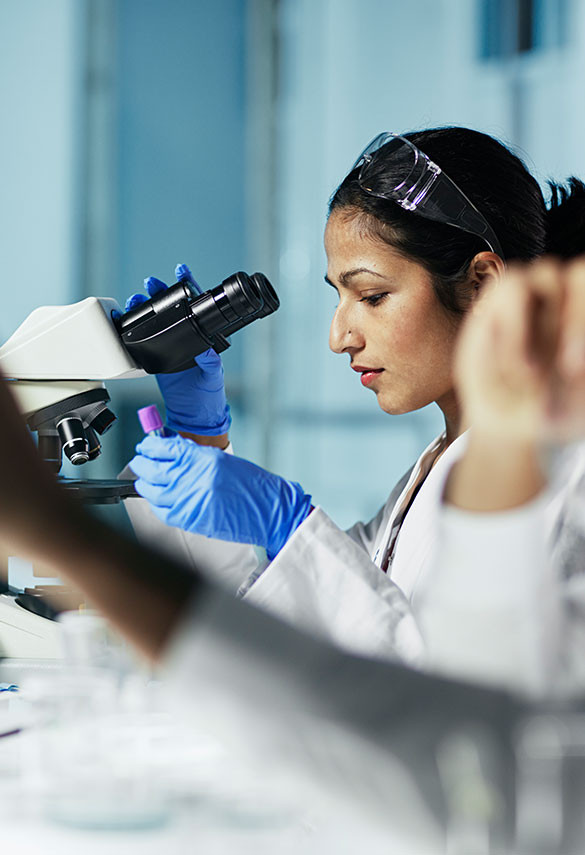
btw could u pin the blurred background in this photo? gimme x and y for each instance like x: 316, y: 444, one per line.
x: 141, y: 133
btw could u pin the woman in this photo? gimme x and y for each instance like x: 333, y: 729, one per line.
x: 409, y: 251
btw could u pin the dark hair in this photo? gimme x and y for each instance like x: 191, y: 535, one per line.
x: 502, y: 189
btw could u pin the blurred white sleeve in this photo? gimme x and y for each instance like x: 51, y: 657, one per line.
x: 366, y: 732
x: 491, y: 608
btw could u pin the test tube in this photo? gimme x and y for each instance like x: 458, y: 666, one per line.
x: 151, y: 422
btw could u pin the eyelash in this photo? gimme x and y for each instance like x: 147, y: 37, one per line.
x: 375, y: 299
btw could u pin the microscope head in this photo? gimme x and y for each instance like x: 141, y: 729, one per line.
x: 57, y: 361
x: 59, y: 357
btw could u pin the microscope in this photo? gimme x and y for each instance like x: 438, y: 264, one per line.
x: 57, y: 363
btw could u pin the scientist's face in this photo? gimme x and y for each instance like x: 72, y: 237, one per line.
x: 398, y: 337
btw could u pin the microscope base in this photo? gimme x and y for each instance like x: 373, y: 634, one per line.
x: 24, y: 635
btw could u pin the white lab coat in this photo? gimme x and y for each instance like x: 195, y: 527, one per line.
x: 328, y: 581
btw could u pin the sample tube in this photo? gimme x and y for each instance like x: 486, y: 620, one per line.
x: 151, y: 422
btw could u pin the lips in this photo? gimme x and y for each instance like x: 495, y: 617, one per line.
x: 368, y: 374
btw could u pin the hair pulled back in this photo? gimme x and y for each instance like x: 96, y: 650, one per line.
x: 499, y: 185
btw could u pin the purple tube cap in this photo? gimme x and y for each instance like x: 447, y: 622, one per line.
x: 150, y: 418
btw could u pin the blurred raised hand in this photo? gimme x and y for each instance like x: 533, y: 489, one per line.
x: 520, y: 363
x: 520, y: 375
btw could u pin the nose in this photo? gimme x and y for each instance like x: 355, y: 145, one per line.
x: 344, y: 334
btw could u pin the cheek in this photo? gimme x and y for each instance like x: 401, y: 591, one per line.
x: 401, y: 330
x: 422, y: 337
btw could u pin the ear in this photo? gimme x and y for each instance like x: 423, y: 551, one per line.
x: 485, y: 270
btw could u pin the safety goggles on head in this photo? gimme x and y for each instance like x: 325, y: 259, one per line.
x: 424, y: 188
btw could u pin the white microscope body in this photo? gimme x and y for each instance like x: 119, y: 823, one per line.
x: 56, y: 362
x: 61, y: 351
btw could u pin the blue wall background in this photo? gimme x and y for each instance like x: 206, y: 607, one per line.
x: 181, y: 135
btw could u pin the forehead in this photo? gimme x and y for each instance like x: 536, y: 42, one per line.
x: 350, y: 244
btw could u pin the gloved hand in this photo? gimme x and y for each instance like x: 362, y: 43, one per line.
x: 203, y: 489
x: 195, y: 398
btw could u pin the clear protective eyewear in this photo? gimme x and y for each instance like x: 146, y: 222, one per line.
x: 424, y: 189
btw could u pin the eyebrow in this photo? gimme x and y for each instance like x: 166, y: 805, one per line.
x: 349, y: 274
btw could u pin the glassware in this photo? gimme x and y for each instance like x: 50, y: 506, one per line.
x: 93, y: 759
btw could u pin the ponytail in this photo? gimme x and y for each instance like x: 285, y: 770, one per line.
x: 565, y: 219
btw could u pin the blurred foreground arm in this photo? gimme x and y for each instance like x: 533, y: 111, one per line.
x: 520, y: 372
x: 497, y: 607
x: 138, y: 592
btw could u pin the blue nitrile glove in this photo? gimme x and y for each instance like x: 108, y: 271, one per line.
x: 195, y: 398
x: 203, y: 489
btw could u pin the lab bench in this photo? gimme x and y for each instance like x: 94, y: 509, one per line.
x: 221, y: 811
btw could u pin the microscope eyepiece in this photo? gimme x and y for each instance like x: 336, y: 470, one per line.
x: 167, y: 332
x: 266, y: 301
x: 270, y: 301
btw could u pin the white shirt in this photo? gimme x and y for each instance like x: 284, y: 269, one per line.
x: 505, y: 597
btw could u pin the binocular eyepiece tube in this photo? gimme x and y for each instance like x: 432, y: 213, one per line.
x: 164, y: 334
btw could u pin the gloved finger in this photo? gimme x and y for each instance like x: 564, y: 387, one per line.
x: 183, y: 273
x: 209, y: 361
x: 163, y: 448
x: 154, y: 494
x: 135, y: 300
x: 154, y: 286
x: 152, y: 471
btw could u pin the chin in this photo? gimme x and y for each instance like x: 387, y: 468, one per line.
x: 393, y: 407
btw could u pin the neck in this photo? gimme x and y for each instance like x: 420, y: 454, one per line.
x: 449, y: 406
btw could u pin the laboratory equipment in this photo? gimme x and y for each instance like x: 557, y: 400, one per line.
x: 60, y: 356
x: 195, y: 400
x: 25, y: 634
x: 150, y: 421
x: 58, y: 362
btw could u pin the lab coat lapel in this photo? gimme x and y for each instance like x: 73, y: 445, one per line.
x: 381, y: 547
